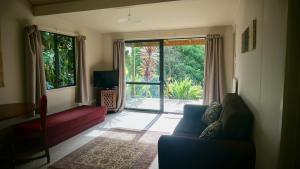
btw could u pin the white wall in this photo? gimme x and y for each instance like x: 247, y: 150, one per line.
x: 15, y: 14
x: 226, y: 31
x: 261, y: 73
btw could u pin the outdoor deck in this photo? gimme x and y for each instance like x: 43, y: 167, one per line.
x: 170, y: 105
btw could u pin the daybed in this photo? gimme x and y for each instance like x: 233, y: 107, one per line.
x: 63, y: 125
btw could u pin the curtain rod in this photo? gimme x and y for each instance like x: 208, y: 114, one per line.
x: 55, y: 30
x: 170, y: 38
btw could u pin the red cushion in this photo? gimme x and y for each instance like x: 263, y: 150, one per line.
x: 68, y: 123
x: 28, y: 129
x: 69, y: 115
x: 62, y: 125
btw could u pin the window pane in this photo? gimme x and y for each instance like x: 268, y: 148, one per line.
x: 142, y: 96
x: 183, y: 73
x: 48, y: 56
x: 66, y: 60
x: 59, y: 60
x: 142, y: 62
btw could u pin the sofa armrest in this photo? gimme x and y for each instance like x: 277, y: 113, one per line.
x: 192, y: 111
x: 184, y: 152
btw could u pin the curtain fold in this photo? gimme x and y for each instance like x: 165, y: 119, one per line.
x: 34, y: 66
x: 119, y: 64
x: 214, y: 73
x: 81, y: 94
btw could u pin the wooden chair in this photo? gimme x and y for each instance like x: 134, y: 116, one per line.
x: 30, y: 137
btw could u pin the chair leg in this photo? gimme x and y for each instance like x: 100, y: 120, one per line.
x: 13, y: 158
x: 47, y: 155
x: 13, y: 154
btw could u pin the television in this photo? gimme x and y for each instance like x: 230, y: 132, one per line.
x: 106, y: 79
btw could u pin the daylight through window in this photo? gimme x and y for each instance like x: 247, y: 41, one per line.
x: 59, y: 60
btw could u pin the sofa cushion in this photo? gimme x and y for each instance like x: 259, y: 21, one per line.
x: 212, y: 131
x: 189, y: 128
x: 212, y: 113
x: 237, y: 119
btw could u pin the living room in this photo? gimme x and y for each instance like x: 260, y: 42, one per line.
x: 258, y: 74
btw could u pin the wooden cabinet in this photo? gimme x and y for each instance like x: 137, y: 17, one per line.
x: 108, y: 98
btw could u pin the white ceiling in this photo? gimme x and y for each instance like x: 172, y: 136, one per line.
x: 160, y: 16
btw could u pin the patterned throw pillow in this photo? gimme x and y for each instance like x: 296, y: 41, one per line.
x: 212, y: 131
x: 212, y: 113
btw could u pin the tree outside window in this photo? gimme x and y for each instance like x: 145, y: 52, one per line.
x: 59, y: 60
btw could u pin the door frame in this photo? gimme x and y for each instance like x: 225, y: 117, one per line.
x: 161, y: 76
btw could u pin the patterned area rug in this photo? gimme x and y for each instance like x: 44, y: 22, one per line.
x: 114, y: 149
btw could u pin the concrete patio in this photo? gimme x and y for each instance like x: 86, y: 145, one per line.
x: 170, y: 105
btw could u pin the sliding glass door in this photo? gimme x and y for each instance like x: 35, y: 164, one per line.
x: 183, y: 73
x: 164, y: 75
x: 143, y: 62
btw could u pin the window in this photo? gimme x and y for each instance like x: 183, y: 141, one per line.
x: 59, y: 60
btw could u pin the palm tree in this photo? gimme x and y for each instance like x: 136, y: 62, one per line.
x: 149, y: 62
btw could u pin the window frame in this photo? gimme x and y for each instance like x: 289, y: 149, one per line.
x: 74, y: 57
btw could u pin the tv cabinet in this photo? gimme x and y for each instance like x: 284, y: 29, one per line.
x: 108, y: 98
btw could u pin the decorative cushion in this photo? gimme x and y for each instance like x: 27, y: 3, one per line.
x: 212, y: 113
x: 212, y: 131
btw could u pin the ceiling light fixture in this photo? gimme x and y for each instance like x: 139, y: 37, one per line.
x: 129, y: 19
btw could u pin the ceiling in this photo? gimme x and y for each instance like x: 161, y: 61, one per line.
x: 46, y: 2
x: 159, y: 16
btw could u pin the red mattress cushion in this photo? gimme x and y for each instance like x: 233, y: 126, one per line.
x: 62, y: 125
x: 65, y: 124
x: 28, y: 129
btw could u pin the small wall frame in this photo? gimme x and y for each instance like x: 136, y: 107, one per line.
x: 249, y: 37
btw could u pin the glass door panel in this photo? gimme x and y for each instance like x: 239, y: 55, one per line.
x: 142, y: 75
x: 183, y: 73
x: 143, y: 96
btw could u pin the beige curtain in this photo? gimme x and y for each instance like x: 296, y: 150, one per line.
x: 119, y: 64
x: 214, y: 74
x: 81, y: 81
x: 34, y: 66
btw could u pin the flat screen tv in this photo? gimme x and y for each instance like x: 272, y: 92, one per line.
x: 106, y: 79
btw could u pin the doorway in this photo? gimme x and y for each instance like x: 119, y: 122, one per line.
x: 162, y: 75
x: 143, y: 61
x: 183, y: 73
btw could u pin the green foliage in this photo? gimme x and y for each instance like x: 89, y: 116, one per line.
x: 142, y: 91
x: 59, y: 60
x: 183, y: 90
x: 133, y: 63
x: 185, y: 62
x: 183, y: 70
